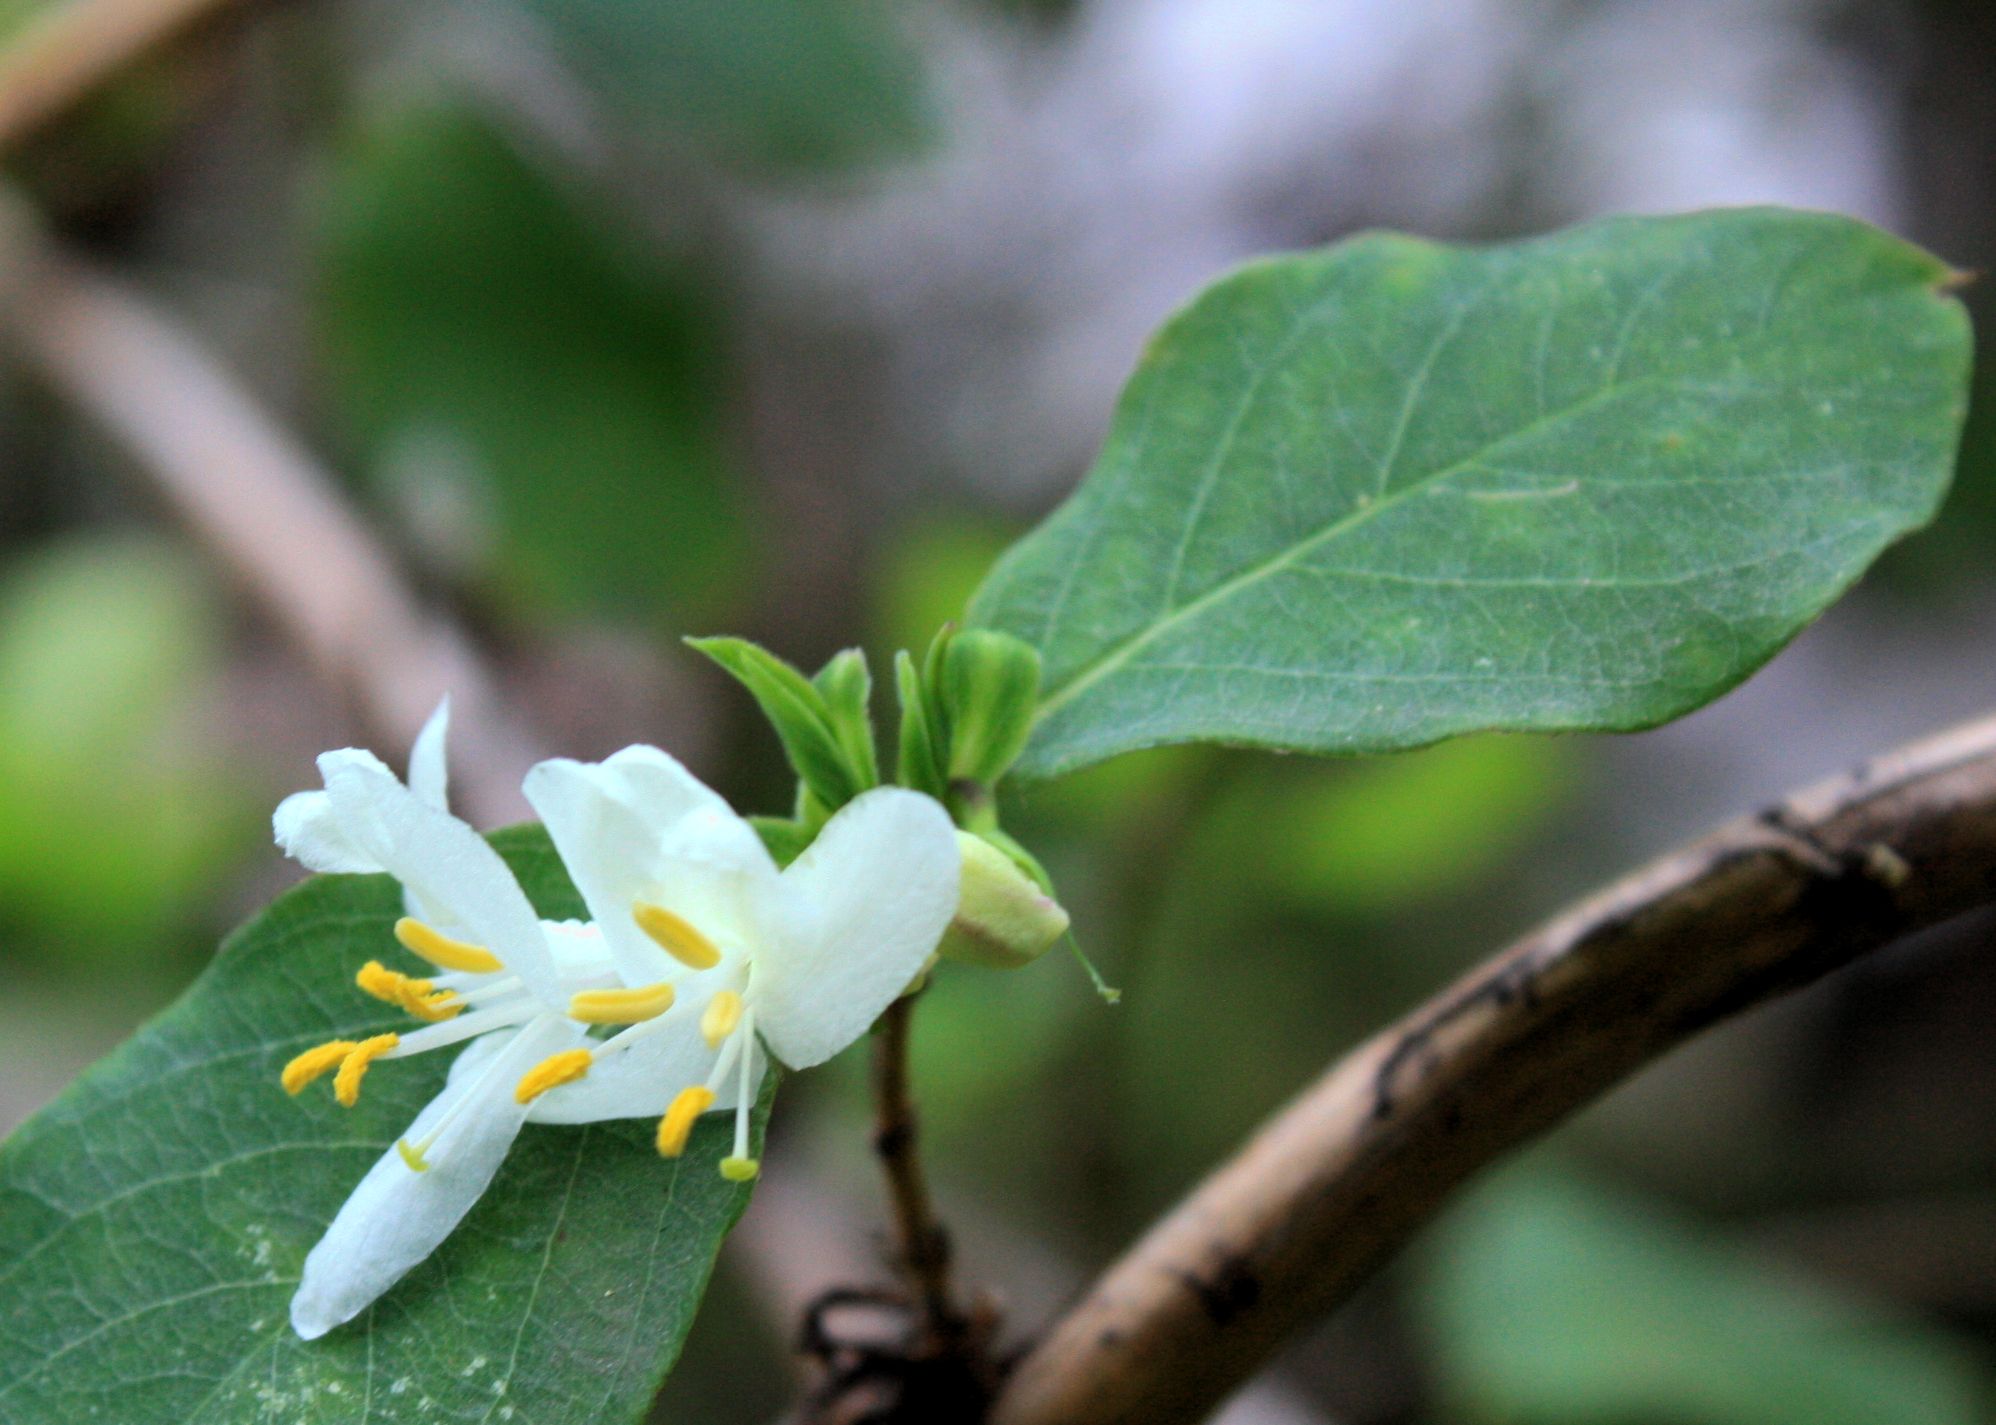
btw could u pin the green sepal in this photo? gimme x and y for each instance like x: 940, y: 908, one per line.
x: 799, y: 711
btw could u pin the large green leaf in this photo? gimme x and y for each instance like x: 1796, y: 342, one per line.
x: 1553, y: 1301
x: 154, y: 1219
x: 1378, y: 495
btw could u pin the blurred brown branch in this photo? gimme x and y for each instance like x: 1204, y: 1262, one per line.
x: 1337, y: 1182
x: 68, y: 49
x: 247, y: 489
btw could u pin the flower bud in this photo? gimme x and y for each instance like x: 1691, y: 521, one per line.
x: 1003, y: 920
x: 989, y: 689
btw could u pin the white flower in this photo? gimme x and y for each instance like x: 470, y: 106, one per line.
x: 507, y: 979
x: 685, y: 898
x: 806, y: 958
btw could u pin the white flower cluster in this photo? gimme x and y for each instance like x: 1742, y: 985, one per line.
x: 700, y: 960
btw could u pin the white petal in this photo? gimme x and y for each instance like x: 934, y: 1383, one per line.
x: 310, y: 834
x: 429, y: 775
x: 641, y: 827
x: 639, y: 1082
x: 870, y: 900
x: 608, y: 849
x: 396, y: 1216
x: 444, y: 864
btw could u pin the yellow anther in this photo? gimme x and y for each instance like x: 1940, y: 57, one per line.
x: 553, y: 1071
x: 677, y: 1125
x: 383, y: 983
x: 440, y: 949
x: 412, y: 1156
x: 740, y: 1170
x: 353, y: 1068
x: 621, y: 1006
x: 434, y: 1008
x: 718, y: 1021
x: 315, y: 1062
x: 420, y: 997
x: 676, y: 936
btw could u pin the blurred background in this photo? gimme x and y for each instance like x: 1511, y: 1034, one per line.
x: 354, y: 351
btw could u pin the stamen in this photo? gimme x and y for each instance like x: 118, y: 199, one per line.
x: 440, y: 949
x: 517, y: 1010
x: 677, y: 1125
x: 353, y: 1068
x: 723, y: 1013
x: 676, y: 936
x: 420, y: 997
x: 739, y: 1167
x: 314, y: 1063
x: 631, y: 1006
x: 553, y: 1071
x: 416, y: 1155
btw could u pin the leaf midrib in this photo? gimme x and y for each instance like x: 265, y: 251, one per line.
x: 1112, y: 659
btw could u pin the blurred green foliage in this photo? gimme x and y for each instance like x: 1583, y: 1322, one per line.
x: 118, y: 814
x: 1550, y: 1299
x: 783, y: 85
x: 542, y: 401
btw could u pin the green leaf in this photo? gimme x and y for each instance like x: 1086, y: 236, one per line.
x: 798, y: 711
x: 1378, y: 495
x: 917, y: 764
x: 1552, y: 1301
x: 153, y: 1220
x: 847, y: 685
x: 779, y: 84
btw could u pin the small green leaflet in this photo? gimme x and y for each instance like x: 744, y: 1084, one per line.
x: 1382, y: 494
x: 154, y: 1218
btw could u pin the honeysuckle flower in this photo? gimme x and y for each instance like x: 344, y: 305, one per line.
x: 798, y: 961
x: 506, y: 982
x: 572, y: 1022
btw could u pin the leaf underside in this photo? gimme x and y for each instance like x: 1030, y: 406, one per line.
x: 1370, y: 497
x: 154, y: 1219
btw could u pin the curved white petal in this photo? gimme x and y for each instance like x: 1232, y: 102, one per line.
x: 429, y: 773
x: 639, y: 826
x: 639, y: 1082
x: 608, y: 849
x: 443, y: 863
x: 396, y: 1216
x: 311, y: 835
x: 870, y: 900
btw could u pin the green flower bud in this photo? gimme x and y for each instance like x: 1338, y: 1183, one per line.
x: 989, y: 688
x: 1003, y: 920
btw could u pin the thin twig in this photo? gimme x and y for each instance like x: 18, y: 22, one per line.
x: 67, y: 50
x: 261, y: 503
x: 1337, y: 1182
x: 921, y: 1242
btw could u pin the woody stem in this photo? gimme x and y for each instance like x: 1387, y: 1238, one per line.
x: 922, y: 1246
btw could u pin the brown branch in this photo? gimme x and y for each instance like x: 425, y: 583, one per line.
x: 261, y: 503
x: 69, y: 49
x: 922, y: 1246
x: 1333, y: 1186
